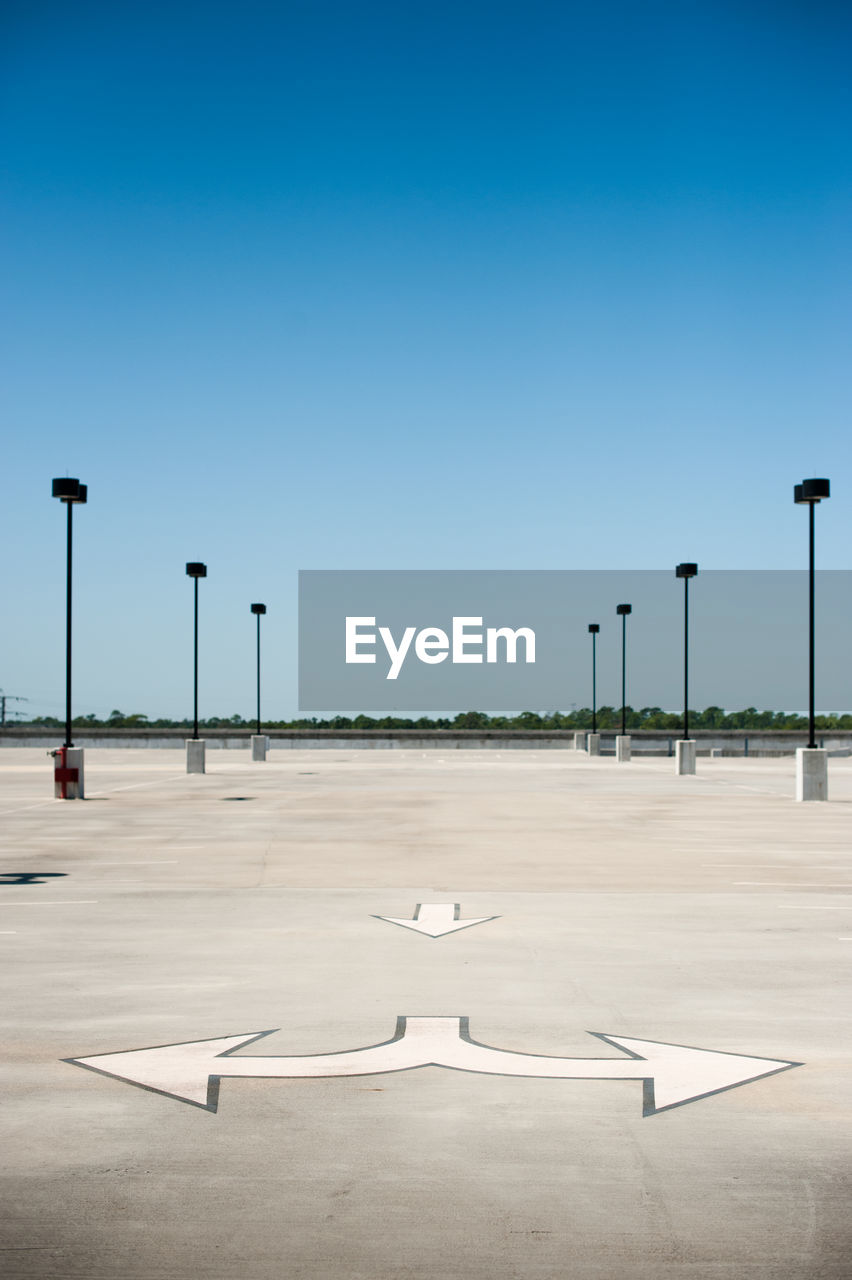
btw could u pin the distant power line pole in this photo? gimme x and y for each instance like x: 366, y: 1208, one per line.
x: 8, y: 697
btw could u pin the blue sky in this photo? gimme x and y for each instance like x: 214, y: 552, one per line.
x: 382, y: 286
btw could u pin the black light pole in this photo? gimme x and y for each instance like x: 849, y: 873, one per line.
x: 594, y: 628
x: 809, y: 493
x: 195, y: 570
x: 686, y: 571
x: 70, y: 492
x: 259, y: 609
x: 622, y: 610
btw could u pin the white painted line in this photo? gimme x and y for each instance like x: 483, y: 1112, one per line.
x: 138, y: 863
x: 70, y: 902
x: 813, y: 906
x: 774, y: 866
x: 24, y: 808
x: 145, y: 887
x: 672, y: 1074
x: 793, y: 884
x: 758, y: 791
x: 844, y: 939
x: 108, y: 884
x: 93, y: 796
x: 136, y: 786
x: 189, y: 888
x: 11, y: 931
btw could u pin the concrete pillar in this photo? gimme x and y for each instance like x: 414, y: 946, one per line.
x: 195, y: 755
x: 811, y: 774
x: 579, y: 741
x: 68, y: 760
x: 593, y: 744
x: 622, y: 747
x: 716, y: 753
x: 685, y: 755
x: 259, y: 746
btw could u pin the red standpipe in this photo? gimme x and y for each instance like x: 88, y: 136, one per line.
x: 62, y: 774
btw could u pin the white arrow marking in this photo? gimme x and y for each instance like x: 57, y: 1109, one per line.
x: 672, y: 1073
x: 436, y: 919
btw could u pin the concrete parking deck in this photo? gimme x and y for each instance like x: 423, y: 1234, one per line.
x: 657, y: 912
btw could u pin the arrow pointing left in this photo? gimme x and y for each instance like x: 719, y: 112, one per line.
x: 672, y: 1074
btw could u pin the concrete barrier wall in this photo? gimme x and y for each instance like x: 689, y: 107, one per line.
x: 754, y: 742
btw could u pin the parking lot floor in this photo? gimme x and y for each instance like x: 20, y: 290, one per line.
x: 624, y: 1052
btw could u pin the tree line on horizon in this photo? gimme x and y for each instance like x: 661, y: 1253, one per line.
x: 608, y: 718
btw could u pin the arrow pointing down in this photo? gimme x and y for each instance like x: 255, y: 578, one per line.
x: 672, y: 1074
x: 436, y: 919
